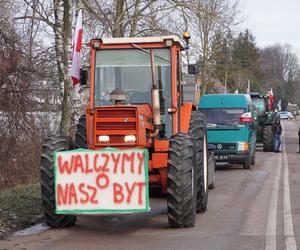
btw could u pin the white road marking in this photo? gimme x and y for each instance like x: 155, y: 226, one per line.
x: 272, y: 215
x: 289, y: 236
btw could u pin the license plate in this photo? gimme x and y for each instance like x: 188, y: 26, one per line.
x: 221, y: 157
x: 101, y: 181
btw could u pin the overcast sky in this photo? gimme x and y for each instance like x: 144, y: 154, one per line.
x: 273, y: 21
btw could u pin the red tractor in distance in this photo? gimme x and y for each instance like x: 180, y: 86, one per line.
x: 136, y: 101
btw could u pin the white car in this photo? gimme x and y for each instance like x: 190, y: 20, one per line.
x: 286, y: 115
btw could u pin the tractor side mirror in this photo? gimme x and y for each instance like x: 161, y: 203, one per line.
x: 192, y: 69
x: 83, y: 76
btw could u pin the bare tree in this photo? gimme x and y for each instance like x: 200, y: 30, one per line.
x: 119, y: 18
x: 18, y: 134
x: 281, y: 71
x: 57, y: 14
x: 208, y: 19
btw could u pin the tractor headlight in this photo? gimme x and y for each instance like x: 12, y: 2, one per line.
x: 242, y: 146
x: 130, y: 138
x: 103, y: 138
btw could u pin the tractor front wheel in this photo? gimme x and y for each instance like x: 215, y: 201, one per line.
x: 181, y: 182
x: 51, y: 145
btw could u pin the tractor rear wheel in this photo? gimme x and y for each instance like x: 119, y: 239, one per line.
x: 267, y: 138
x: 198, y: 131
x: 80, y: 138
x: 51, y: 145
x: 181, y: 182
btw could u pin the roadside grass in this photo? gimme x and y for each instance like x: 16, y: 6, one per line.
x: 19, y: 207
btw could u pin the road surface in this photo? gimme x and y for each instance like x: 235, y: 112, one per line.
x: 249, y: 209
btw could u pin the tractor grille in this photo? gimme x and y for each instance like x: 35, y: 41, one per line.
x: 110, y: 113
x: 116, y: 123
x: 116, y: 126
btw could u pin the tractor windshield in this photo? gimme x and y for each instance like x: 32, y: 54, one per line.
x: 130, y: 70
x: 259, y: 105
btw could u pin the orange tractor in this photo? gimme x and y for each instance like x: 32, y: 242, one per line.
x: 136, y: 102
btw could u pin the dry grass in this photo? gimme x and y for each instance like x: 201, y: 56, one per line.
x: 20, y: 207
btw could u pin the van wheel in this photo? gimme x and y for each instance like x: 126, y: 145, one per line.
x: 212, y: 171
x: 253, y: 159
x: 247, y: 164
x: 213, y: 184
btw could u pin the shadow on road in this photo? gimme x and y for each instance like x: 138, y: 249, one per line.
x: 223, y: 166
x: 126, y: 223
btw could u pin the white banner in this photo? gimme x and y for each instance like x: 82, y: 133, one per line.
x: 106, y: 181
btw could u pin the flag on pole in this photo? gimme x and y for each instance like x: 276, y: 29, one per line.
x: 279, y: 105
x: 270, y: 92
x: 77, y: 44
x: 270, y: 99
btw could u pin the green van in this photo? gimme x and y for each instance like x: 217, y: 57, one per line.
x: 230, y: 127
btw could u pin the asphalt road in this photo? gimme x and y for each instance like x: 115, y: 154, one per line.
x: 249, y: 209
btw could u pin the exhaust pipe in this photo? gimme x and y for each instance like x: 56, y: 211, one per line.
x: 155, y: 98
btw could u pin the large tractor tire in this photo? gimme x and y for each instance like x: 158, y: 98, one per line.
x: 197, y: 130
x: 268, y: 138
x: 51, y: 145
x: 181, y: 182
x: 80, y: 138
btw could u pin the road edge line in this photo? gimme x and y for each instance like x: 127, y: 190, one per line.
x: 289, y: 236
x: 272, y: 214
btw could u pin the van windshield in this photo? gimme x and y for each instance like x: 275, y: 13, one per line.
x: 225, y: 116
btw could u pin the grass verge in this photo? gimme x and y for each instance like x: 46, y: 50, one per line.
x: 19, y: 207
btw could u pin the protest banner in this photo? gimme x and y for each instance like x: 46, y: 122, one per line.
x: 103, y: 181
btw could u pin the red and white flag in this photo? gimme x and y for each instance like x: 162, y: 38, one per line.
x: 271, y: 92
x: 270, y: 99
x: 77, y: 44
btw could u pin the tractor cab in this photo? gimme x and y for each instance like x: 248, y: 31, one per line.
x: 134, y: 96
